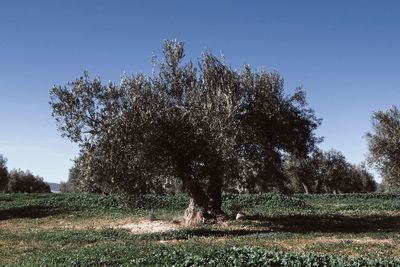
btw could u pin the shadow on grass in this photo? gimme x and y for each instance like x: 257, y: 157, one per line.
x: 331, y: 224
x: 34, y: 211
x: 299, y: 224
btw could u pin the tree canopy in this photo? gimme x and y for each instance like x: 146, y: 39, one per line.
x: 3, y: 173
x: 204, y: 125
x: 384, y: 146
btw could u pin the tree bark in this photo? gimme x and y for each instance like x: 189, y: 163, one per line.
x: 306, y: 188
x: 205, y: 203
x: 215, y: 198
x: 196, y: 213
x: 318, y: 186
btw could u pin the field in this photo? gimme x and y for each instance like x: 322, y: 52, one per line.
x: 278, y: 230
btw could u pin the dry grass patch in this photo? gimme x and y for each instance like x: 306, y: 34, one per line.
x: 64, y: 223
x: 358, y: 240
x: 147, y: 226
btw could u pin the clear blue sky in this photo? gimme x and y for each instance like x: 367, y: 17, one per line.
x: 346, y: 54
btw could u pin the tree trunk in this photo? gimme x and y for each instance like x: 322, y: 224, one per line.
x: 196, y: 212
x: 215, y: 198
x: 306, y: 188
x: 318, y: 186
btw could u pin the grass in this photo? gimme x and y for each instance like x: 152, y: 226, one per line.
x: 84, y: 230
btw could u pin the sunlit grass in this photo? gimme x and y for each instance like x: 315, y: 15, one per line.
x: 42, y: 228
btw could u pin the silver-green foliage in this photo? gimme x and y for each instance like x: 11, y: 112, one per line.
x: 204, y: 125
x: 384, y: 146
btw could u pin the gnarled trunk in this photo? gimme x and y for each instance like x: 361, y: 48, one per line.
x: 205, y: 203
x: 196, y: 212
x: 215, y: 198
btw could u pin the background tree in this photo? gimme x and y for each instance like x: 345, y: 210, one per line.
x: 304, y: 173
x: 334, y: 170
x: 203, y: 126
x: 81, y: 180
x: 327, y: 172
x: 3, y: 173
x: 74, y: 183
x: 384, y: 146
x: 26, y: 182
x: 362, y: 180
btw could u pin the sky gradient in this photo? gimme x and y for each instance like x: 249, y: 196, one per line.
x: 345, y: 54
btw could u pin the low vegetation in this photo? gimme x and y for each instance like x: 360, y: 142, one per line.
x: 279, y: 230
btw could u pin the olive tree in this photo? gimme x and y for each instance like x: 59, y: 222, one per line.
x: 26, y: 182
x: 304, y: 174
x: 384, y: 146
x: 3, y: 173
x: 327, y: 172
x: 75, y: 181
x: 204, y: 125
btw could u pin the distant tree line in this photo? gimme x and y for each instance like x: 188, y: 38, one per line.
x: 327, y: 172
x: 201, y: 129
x: 18, y: 181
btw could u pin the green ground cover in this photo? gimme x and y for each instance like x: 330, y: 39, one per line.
x: 279, y: 230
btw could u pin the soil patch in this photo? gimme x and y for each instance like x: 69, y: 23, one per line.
x: 146, y: 226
